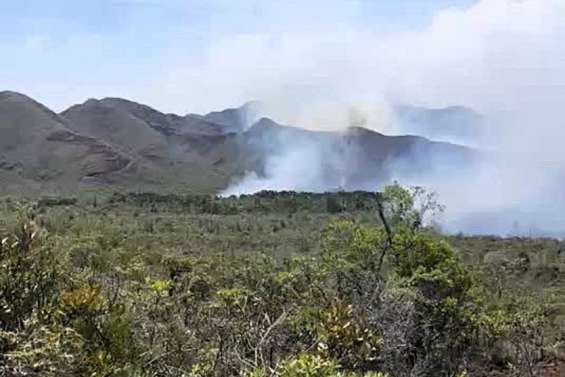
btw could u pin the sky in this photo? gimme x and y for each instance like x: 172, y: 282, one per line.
x: 193, y: 55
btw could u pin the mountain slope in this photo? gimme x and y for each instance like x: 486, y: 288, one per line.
x: 124, y: 144
x: 37, y: 147
x: 455, y: 123
x: 165, y: 146
x: 110, y: 120
x: 356, y: 158
x: 234, y: 120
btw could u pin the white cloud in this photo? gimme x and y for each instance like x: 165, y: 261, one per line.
x: 468, y: 56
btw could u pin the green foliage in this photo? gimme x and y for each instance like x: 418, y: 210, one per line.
x: 407, y: 208
x: 84, y: 301
x: 29, y: 274
x: 346, y: 336
x: 274, y: 284
x: 306, y: 365
x: 347, y: 245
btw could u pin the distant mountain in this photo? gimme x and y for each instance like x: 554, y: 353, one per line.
x: 124, y: 125
x: 140, y: 128
x: 234, y: 120
x: 37, y: 146
x: 455, y: 124
x: 119, y: 143
x: 356, y: 158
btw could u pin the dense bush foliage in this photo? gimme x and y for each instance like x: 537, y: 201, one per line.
x: 264, y: 201
x: 133, y: 286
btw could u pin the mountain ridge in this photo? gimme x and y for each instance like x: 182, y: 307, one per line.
x: 116, y: 142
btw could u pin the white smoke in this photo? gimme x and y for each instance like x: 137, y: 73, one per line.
x: 506, y: 59
x: 503, y: 58
x: 297, y: 169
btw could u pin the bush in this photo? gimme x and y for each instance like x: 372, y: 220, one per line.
x: 193, y: 295
x: 30, y: 273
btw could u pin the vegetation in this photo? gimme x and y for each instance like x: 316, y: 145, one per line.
x: 274, y: 284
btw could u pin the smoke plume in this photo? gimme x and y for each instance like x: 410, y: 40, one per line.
x: 504, y: 59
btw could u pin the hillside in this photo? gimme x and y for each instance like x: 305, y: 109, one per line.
x: 284, y: 158
x: 37, y: 148
x: 234, y: 120
x: 454, y: 123
x: 119, y: 143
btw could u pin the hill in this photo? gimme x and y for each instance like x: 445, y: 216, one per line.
x: 120, y: 143
x: 38, y: 148
x: 288, y: 158
x: 234, y: 120
x: 454, y: 123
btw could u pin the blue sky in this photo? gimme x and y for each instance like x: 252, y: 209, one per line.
x: 62, y: 51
